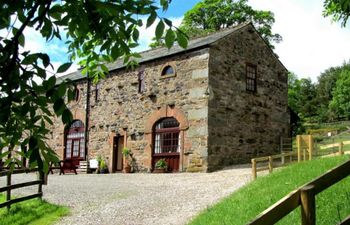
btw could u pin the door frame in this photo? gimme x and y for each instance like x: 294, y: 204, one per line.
x: 76, y: 159
x: 115, y: 151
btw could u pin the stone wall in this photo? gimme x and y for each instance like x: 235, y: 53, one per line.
x: 243, y: 125
x: 121, y: 110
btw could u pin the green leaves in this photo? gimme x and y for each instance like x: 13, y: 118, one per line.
x: 208, y: 16
x: 96, y: 32
x: 339, y: 10
x: 169, y: 38
x: 182, y: 39
x: 160, y: 29
x: 64, y: 67
x: 151, y: 19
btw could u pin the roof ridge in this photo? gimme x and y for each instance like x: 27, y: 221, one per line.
x: 161, y: 52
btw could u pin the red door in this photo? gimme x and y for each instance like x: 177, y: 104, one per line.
x: 166, y: 143
x: 75, y: 143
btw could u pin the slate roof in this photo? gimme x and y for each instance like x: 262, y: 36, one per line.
x: 158, y: 53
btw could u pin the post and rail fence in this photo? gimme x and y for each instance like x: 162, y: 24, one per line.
x: 270, y: 162
x: 304, y: 197
x: 305, y: 151
x: 9, y: 186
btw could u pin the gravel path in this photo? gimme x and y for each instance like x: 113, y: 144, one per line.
x: 138, y: 199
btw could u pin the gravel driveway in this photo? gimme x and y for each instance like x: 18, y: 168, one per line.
x: 138, y: 199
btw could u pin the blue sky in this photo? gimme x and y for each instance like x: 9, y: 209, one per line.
x: 311, y: 43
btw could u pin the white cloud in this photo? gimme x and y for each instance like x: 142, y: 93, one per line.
x: 311, y: 43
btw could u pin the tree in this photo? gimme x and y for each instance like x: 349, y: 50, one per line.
x: 302, y: 96
x: 95, y: 32
x: 212, y: 15
x: 338, y: 9
x: 324, y: 91
x: 293, y: 92
x: 341, y: 96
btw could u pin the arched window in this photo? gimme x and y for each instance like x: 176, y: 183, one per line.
x: 75, y: 141
x: 168, y: 70
x: 166, y: 136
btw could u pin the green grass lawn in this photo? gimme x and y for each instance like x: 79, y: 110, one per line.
x: 32, y: 212
x: 245, y: 204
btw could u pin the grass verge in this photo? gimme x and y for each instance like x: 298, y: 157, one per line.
x: 244, y: 205
x: 31, y: 212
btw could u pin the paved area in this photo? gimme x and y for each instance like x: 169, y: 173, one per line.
x: 138, y: 199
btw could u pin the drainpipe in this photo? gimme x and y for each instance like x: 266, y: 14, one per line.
x: 87, y: 115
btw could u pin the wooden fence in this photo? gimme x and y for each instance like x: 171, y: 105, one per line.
x: 270, y: 162
x: 301, y: 155
x: 9, y: 186
x: 305, y: 197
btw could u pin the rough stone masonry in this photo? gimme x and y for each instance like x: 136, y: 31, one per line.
x: 220, y: 122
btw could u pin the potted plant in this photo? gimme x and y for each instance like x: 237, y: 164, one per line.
x: 103, y: 166
x: 127, y: 155
x: 161, y: 166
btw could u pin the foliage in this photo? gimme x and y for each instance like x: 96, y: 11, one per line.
x: 126, y: 152
x: 212, y: 15
x: 161, y: 164
x: 245, y: 204
x: 338, y: 9
x: 95, y: 32
x: 341, y: 95
x: 301, y: 96
x: 102, y: 164
x: 323, y: 101
x: 31, y: 212
x: 326, y: 83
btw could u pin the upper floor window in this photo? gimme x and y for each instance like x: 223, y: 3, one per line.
x: 168, y: 70
x: 97, y: 90
x: 141, y: 81
x: 251, y: 77
x: 76, y: 93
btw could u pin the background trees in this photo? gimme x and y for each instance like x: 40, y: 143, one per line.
x: 209, y: 16
x: 324, y: 101
x: 338, y: 9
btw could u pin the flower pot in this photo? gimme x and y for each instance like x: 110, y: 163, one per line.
x: 159, y: 170
x: 127, y: 169
x: 103, y: 170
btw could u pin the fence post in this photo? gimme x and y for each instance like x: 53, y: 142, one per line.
x: 8, y: 192
x: 254, y: 168
x: 40, y: 187
x: 308, y: 211
x: 299, y: 147
x: 341, y: 145
x: 311, y: 147
x: 270, y: 164
x: 283, y: 158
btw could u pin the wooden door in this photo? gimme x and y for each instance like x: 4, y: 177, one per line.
x: 118, y: 145
x: 75, y: 143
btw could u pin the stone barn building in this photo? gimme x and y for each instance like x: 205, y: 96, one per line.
x: 221, y: 101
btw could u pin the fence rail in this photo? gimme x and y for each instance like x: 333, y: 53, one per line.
x: 305, y: 197
x: 270, y: 162
x: 9, y: 186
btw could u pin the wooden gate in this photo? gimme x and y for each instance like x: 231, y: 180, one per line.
x: 166, y: 141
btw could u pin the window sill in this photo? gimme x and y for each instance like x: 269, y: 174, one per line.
x: 168, y: 76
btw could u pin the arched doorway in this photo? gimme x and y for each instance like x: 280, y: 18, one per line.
x: 75, y: 142
x: 166, y: 142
